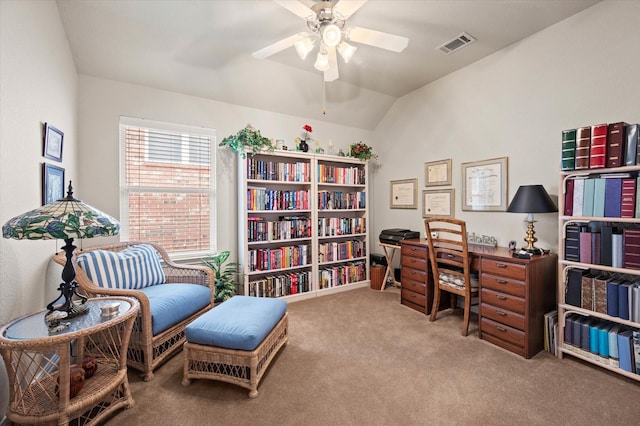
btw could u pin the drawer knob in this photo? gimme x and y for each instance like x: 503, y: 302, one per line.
x: 501, y: 265
x: 504, y: 314
x: 501, y: 328
x: 501, y: 297
x: 501, y: 281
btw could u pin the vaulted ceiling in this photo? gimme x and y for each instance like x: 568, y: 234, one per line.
x: 203, y: 48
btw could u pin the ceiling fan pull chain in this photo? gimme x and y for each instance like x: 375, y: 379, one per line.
x: 324, y: 97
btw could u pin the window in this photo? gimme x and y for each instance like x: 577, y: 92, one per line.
x: 167, y: 183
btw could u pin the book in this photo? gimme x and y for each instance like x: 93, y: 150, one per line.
x: 636, y: 350
x: 598, y: 147
x: 623, y: 299
x: 599, y: 197
x: 603, y: 344
x: 587, y: 200
x: 628, y: 198
x: 572, y: 242
x: 612, y: 296
x: 577, y: 333
x: 615, y: 144
x: 606, y: 231
x: 631, y: 248
x: 568, y: 198
x: 585, y: 244
x: 578, y: 196
x: 613, y: 197
x: 634, y: 307
x: 568, y: 149
x: 595, y: 247
x: 613, y: 345
x: 587, y: 291
x: 583, y: 144
x: 585, y: 336
x: 631, y: 145
x: 573, y: 289
x: 617, y: 248
x: 594, y: 340
x: 625, y: 350
x: 600, y: 293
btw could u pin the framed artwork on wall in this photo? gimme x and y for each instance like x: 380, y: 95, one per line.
x: 484, y: 185
x: 52, y: 183
x: 437, y: 173
x: 53, y: 139
x: 438, y: 202
x: 404, y: 194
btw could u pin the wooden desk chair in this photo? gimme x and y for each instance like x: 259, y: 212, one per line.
x: 450, y: 264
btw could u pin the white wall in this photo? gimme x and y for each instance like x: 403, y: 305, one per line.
x: 102, y: 102
x: 38, y: 83
x: 515, y: 103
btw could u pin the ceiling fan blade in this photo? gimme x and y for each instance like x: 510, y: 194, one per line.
x: 375, y: 38
x: 346, y: 8
x: 331, y: 73
x: 276, y: 47
x: 297, y: 8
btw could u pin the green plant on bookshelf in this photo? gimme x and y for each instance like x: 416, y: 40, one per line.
x: 226, y: 275
x: 247, y: 140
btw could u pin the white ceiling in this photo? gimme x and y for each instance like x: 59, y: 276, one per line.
x: 203, y: 48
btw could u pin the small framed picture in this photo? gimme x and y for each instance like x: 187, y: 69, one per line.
x: 404, y: 194
x: 438, y: 202
x: 437, y: 173
x: 52, y: 183
x: 53, y: 139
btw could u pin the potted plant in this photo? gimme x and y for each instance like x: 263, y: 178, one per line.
x: 247, y: 139
x: 226, y: 275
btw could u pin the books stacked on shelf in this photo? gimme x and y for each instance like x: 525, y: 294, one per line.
x: 275, y: 199
x: 335, y: 226
x: 606, y: 342
x: 551, y: 332
x: 343, y: 250
x: 281, y: 285
x: 610, y: 195
x: 340, y: 200
x: 342, y: 274
x: 603, y: 243
x: 601, y: 145
x: 277, y: 170
x: 328, y: 173
x: 285, y: 228
x: 610, y: 293
x: 269, y: 259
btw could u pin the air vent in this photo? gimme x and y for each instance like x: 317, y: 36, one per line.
x: 455, y: 44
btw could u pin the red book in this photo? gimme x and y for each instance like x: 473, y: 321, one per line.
x: 585, y: 245
x: 631, y: 247
x: 628, y: 203
x: 568, y: 198
x: 583, y: 142
x: 615, y: 144
x: 598, y: 150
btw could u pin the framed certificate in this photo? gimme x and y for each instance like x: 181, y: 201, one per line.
x: 404, y: 194
x: 437, y: 173
x: 438, y: 202
x: 485, y: 185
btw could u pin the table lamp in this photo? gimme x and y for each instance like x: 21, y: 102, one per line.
x: 64, y: 219
x: 531, y: 199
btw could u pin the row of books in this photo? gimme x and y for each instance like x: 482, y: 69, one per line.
x: 332, y: 226
x: 551, y: 332
x: 341, y: 175
x: 276, y: 199
x: 600, y: 146
x: 341, y: 275
x: 340, y: 200
x: 607, y: 196
x: 603, y: 243
x: 278, y: 170
x: 343, y: 250
x: 613, y: 294
x: 269, y: 259
x: 285, y: 228
x: 603, y: 341
x: 281, y: 285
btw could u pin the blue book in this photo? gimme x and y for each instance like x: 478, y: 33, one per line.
x: 574, y: 287
x: 577, y: 331
x: 568, y: 329
x: 587, y: 201
x: 585, y: 338
x: 613, y: 197
x: 625, y: 351
x: 594, y: 338
x: 623, y: 300
x: 603, y: 345
x: 598, y: 197
x: 613, y: 345
x: 612, y: 297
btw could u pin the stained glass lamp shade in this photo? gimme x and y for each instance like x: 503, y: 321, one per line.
x: 64, y: 219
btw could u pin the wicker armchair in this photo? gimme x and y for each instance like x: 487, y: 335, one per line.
x: 146, y: 350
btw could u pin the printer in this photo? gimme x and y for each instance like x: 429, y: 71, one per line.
x: 395, y: 235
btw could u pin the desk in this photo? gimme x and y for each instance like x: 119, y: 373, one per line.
x: 389, y: 253
x: 514, y: 293
x: 38, y: 364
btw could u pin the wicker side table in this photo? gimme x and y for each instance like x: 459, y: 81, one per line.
x: 38, y: 365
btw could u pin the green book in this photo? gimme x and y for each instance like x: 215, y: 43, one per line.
x: 568, y: 149
x: 598, y: 197
x: 587, y: 201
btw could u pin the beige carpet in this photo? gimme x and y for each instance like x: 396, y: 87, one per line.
x: 361, y: 358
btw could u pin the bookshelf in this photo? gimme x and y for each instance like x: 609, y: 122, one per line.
x: 303, y: 221
x: 597, y: 314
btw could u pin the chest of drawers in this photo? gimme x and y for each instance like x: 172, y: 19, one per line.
x: 415, y: 292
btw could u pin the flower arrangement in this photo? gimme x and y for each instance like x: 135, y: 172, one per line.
x: 308, y: 130
x: 362, y: 151
x: 247, y: 139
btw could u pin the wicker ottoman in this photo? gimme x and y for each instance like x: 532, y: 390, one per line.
x: 235, y: 341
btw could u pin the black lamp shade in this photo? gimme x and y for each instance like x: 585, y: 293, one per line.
x: 532, y: 199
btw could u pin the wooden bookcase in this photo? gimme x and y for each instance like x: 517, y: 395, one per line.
x: 302, y: 223
x: 565, y: 309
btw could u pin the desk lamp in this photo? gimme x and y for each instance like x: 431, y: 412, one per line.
x: 65, y: 219
x: 531, y: 199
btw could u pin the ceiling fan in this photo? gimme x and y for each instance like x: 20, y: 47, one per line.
x: 326, y: 21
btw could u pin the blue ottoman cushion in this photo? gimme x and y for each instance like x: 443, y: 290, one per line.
x: 241, y: 323
x: 172, y: 303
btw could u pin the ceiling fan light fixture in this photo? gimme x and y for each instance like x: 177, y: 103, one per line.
x: 303, y: 47
x: 331, y: 35
x: 322, y: 61
x: 346, y: 51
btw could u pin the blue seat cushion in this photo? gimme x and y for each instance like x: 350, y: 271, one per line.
x: 241, y: 323
x: 172, y: 303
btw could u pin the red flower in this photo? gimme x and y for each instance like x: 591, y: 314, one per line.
x: 308, y: 128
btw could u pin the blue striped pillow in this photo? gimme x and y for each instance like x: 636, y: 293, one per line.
x: 132, y: 268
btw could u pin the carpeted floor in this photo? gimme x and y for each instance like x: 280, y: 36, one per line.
x: 361, y: 358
